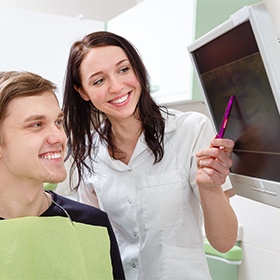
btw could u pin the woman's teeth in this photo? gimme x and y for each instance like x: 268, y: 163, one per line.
x: 120, y: 100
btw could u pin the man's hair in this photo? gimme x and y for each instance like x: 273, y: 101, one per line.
x: 15, y: 84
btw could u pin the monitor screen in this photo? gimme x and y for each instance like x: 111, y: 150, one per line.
x: 233, y: 59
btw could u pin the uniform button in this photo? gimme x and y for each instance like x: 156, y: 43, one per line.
x: 135, y: 234
x: 129, y: 201
x: 133, y: 265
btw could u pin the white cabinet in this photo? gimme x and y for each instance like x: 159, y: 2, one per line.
x: 40, y: 42
x: 161, y: 31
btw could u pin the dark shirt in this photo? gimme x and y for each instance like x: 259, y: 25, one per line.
x: 90, y: 215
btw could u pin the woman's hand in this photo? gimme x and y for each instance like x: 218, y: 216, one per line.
x: 214, y: 163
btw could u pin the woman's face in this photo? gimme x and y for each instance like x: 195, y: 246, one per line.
x: 109, y: 82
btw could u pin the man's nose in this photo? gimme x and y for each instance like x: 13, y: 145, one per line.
x: 56, y: 135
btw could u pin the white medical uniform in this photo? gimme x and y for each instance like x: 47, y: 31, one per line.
x: 154, y: 208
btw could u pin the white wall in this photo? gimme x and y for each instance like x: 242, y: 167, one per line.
x: 161, y: 31
x: 40, y: 42
x: 273, y: 7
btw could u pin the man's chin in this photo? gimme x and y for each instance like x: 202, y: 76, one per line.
x: 56, y: 178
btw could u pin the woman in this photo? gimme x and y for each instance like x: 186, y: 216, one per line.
x: 149, y: 168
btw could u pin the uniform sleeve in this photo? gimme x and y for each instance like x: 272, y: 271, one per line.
x: 227, y: 185
x: 86, y: 190
x: 87, y: 194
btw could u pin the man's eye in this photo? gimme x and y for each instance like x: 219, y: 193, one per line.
x: 38, y: 124
x: 60, y: 122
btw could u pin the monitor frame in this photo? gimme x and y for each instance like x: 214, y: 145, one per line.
x: 258, y: 189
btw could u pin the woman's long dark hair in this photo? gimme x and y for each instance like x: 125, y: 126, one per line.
x: 81, y: 116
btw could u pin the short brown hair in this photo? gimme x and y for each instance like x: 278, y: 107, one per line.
x: 15, y: 84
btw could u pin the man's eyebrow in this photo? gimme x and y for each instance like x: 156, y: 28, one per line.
x: 34, y: 118
x: 40, y: 117
x: 61, y: 115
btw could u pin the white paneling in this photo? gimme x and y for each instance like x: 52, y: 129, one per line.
x: 259, y: 264
x: 260, y: 240
x: 40, y: 42
x: 261, y: 223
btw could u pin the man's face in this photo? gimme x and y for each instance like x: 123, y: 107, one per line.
x: 33, y: 140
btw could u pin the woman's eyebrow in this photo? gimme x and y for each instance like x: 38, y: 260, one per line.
x: 100, y: 72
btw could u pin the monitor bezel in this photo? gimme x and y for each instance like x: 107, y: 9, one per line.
x: 261, y: 190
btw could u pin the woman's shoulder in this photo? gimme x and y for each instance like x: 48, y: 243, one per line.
x: 175, y: 118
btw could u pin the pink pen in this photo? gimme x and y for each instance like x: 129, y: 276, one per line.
x: 225, y: 118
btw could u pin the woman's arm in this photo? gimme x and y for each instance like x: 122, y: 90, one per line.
x: 88, y: 196
x: 213, y: 166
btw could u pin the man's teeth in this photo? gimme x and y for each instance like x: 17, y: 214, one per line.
x: 120, y: 100
x: 51, y: 156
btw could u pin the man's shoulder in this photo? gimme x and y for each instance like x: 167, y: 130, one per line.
x: 80, y: 212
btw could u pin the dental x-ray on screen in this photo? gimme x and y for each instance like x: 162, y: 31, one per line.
x: 241, y: 57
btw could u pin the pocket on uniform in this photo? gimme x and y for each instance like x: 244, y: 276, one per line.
x: 162, y: 199
x: 185, y: 263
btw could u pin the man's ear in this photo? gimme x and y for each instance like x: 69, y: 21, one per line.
x: 82, y: 93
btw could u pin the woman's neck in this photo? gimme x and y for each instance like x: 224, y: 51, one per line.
x: 125, y: 137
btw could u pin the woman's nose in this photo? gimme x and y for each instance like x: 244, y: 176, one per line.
x: 115, y: 85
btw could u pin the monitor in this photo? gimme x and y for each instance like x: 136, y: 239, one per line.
x: 241, y: 57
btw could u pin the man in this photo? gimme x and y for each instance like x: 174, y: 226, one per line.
x: 32, y: 149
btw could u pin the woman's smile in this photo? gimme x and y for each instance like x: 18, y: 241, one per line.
x: 120, y: 100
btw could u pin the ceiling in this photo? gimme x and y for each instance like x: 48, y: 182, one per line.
x: 102, y: 10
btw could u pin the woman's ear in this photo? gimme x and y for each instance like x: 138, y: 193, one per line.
x: 82, y: 93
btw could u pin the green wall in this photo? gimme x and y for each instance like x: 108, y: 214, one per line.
x: 209, y: 14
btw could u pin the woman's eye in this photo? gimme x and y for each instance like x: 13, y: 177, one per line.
x: 98, y: 82
x: 124, y: 69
